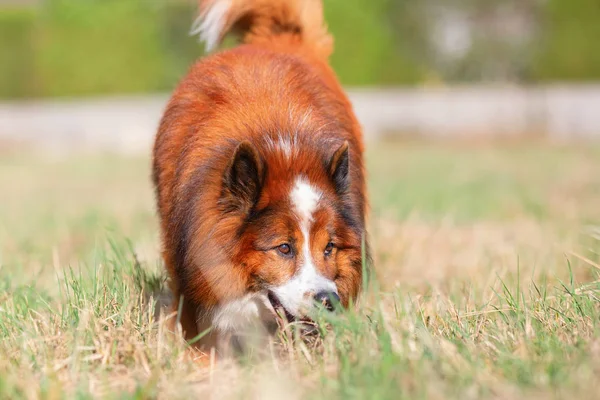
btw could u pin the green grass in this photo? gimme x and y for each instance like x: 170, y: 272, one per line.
x: 486, y: 257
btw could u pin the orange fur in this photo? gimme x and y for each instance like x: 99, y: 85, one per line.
x: 239, y: 130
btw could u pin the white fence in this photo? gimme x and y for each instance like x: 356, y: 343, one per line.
x: 128, y: 123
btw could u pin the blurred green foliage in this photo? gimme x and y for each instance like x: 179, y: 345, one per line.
x: 570, y: 42
x: 365, y: 51
x: 84, y: 47
x: 17, y: 73
x: 90, y: 46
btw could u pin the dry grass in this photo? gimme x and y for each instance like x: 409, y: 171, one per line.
x: 487, y: 265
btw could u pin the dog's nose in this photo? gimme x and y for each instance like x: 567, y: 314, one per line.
x: 329, y: 300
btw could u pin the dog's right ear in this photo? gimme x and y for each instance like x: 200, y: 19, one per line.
x: 243, y: 177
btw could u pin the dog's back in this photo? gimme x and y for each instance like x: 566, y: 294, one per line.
x: 243, y: 127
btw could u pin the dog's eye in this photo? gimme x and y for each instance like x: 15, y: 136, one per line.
x: 328, y: 249
x: 284, y: 249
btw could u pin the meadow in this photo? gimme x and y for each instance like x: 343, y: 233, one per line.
x: 486, y: 284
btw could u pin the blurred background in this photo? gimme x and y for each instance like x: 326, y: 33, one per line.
x: 83, y: 84
x: 98, y: 72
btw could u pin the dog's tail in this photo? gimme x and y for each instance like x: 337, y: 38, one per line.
x: 263, y: 21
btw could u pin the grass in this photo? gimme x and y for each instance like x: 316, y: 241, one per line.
x: 487, y: 261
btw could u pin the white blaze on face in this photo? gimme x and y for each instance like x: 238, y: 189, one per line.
x: 296, y: 294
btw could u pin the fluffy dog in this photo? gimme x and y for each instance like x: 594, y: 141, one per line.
x: 259, y: 175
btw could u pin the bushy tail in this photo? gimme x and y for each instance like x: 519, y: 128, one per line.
x: 262, y: 21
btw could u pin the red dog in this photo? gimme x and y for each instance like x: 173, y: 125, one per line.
x: 259, y: 173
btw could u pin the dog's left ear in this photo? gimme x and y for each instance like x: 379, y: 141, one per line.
x: 339, y: 168
x: 243, y: 177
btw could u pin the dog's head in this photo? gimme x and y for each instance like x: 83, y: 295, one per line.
x: 299, y: 236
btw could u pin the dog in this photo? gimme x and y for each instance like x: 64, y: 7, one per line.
x: 259, y: 174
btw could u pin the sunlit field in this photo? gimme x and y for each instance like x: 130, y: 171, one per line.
x: 486, y: 284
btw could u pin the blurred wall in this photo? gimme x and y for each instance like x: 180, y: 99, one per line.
x: 128, y: 123
x: 53, y: 48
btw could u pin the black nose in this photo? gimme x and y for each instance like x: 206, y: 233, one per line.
x: 329, y: 300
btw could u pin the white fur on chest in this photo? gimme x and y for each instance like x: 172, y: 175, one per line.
x: 242, y: 313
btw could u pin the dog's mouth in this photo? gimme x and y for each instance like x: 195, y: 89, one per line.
x: 283, y: 314
x: 308, y: 327
x: 279, y: 309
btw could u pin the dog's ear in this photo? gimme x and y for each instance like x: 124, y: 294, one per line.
x: 339, y: 168
x: 243, y: 177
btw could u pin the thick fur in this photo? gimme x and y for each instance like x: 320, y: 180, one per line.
x: 259, y: 147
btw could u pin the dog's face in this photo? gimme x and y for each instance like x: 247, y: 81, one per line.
x: 296, y: 243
